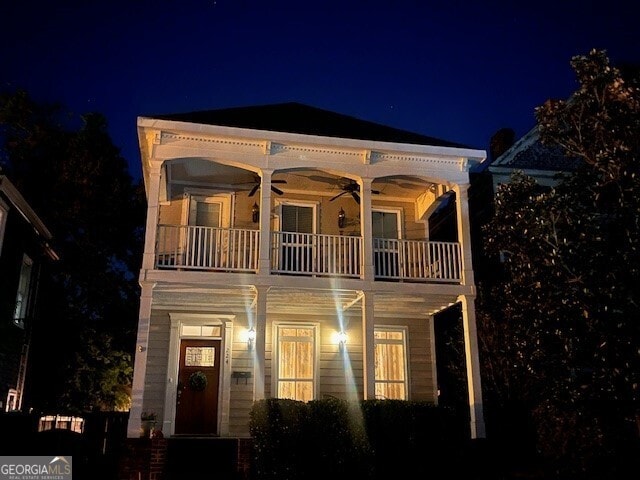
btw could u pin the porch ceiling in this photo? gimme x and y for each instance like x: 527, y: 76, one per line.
x: 206, y: 174
x: 238, y: 300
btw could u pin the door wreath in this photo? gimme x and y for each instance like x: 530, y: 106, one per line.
x: 198, y: 381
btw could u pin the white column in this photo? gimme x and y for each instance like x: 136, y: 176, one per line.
x: 464, y: 232
x: 367, y: 272
x: 153, y: 213
x: 140, y: 362
x: 472, y: 361
x: 368, y: 347
x: 264, y: 265
x: 260, y: 342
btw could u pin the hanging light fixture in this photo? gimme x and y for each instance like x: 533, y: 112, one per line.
x: 255, y: 213
x: 341, y: 218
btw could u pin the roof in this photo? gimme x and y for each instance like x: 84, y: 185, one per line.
x: 15, y: 197
x: 303, y: 119
x: 529, y: 153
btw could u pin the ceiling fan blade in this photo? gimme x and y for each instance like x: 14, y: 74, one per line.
x: 276, y: 190
x: 254, y: 190
x: 375, y: 192
x: 339, y: 195
x: 278, y: 181
x: 356, y: 197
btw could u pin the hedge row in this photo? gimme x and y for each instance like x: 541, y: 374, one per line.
x: 333, y: 438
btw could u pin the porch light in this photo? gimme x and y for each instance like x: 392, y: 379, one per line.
x: 251, y: 337
x: 255, y: 212
x: 341, y: 337
x: 341, y: 218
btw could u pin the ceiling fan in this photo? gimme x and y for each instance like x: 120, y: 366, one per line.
x: 352, y: 187
x: 256, y: 182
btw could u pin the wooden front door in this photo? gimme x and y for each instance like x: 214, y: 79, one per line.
x: 197, y: 401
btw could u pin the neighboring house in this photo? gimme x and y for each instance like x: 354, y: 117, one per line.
x: 546, y: 163
x: 288, y: 254
x: 24, y: 247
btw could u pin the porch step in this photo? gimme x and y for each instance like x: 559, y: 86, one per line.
x: 205, y: 457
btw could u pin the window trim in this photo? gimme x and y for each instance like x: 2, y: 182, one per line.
x: 314, y: 205
x: 405, y: 333
x: 19, y: 316
x: 205, y: 196
x: 275, y: 361
x: 4, y: 213
x: 399, y: 211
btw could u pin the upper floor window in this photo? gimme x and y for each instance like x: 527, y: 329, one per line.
x: 22, y: 296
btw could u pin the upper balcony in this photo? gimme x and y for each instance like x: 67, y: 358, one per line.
x: 185, y: 247
x: 213, y: 223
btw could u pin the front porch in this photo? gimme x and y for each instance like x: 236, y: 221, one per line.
x: 214, y: 249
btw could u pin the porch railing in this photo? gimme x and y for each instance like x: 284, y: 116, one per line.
x: 416, y: 260
x: 207, y: 248
x: 236, y: 250
x: 315, y: 254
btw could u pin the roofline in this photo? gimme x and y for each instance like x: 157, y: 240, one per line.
x: 151, y: 122
x: 27, y: 212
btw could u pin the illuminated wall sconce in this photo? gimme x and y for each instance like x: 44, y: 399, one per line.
x: 341, y: 338
x: 341, y: 218
x: 251, y: 338
x: 255, y: 212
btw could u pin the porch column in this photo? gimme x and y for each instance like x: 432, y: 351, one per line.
x: 472, y: 361
x: 264, y: 265
x: 260, y: 342
x: 140, y: 362
x: 366, y: 231
x: 368, y: 347
x: 464, y: 232
x: 153, y: 212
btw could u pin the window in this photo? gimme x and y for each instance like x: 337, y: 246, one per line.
x: 390, y: 363
x: 4, y: 211
x: 22, y: 296
x: 207, y: 240
x: 295, y: 362
x: 12, y: 400
x: 385, y: 224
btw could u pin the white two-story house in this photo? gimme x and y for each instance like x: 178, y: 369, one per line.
x: 288, y: 254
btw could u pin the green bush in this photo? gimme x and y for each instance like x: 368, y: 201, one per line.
x: 338, y: 439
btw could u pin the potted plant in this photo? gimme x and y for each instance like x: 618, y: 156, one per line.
x: 148, y: 423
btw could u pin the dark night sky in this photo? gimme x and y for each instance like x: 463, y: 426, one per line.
x: 458, y: 70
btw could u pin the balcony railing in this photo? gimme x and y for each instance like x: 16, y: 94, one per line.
x: 236, y: 250
x: 315, y: 254
x: 207, y: 248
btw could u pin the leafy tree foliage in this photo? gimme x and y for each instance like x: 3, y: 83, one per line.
x: 561, y: 318
x: 75, y: 178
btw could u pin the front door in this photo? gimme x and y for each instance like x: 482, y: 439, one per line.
x: 386, y: 232
x: 198, y: 380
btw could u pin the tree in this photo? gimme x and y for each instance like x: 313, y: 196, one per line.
x: 75, y: 178
x: 566, y: 302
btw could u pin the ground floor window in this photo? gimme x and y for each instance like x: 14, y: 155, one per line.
x: 390, y: 363
x: 296, y: 361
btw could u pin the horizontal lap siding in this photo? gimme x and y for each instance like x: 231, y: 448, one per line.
x: 241, y: 390
x: 419, y: 351
x: 157, y: 364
